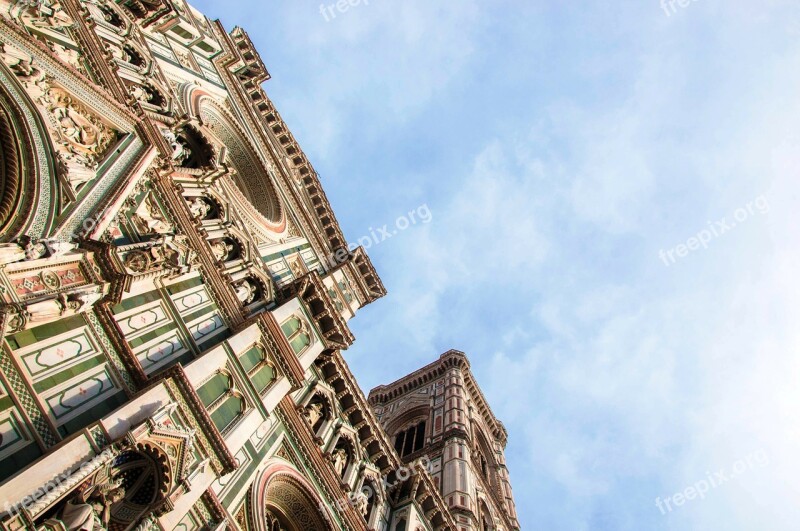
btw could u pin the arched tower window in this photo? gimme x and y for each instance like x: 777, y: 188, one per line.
x: 410, y: 440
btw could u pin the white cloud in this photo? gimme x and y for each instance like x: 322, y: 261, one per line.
x: 619, y: 379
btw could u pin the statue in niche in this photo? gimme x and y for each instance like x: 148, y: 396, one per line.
x: 90, y: 510
x: 181, y: 152
x: 362, y: 504
x: 313, y: 413
x: 339, y: 458
x: 148, y: 218
x: 222, y: 250
x: 138, y: 92
x: 245, y: 291
x: 199, y: 208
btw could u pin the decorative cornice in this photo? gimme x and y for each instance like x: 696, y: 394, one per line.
x: 274, y: 131
x: 367, y: 274
x: 335, y: 369
x: 312, y: 291
x: 452, y: 359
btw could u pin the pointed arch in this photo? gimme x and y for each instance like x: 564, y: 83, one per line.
x: 283, y: 494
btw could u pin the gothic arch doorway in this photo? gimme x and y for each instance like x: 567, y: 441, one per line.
x: 283, y: 500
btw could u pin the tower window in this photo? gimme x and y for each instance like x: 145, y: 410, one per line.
x: 410, y: 440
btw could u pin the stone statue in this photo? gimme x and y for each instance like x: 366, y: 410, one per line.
x: 173, y: 253
x: 138, y: 92
x: 47, y: 248
x: 221, y: 250
x: 339, y: 457
x: 148, y: 218
x: 313, y: 413
x: 199, y: 208
x: 11, y: 252
x: 181, y: 152
x: 245, y: 291
x: 362, y: 504
x: 62, y: 306
x: 91, y: 510
x: 46, y: 310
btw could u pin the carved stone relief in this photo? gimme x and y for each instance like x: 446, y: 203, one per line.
x: 80, y: 137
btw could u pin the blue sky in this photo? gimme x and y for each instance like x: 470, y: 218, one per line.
x: 560, y: 147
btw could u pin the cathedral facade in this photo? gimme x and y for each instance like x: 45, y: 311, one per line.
x: 175, y: 293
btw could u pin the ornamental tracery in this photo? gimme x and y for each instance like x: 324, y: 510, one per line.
x: 286, y: 503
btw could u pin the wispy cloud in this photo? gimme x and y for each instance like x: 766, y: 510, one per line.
x: 560, y: 147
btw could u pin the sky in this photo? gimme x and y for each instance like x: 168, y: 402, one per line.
x: 605, y: 198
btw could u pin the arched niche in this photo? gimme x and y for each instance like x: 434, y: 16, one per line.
x: 191, y: 149
x: 282, y: 499
x: 130, y: 487
x: 206, y: 208
x: 371, y: 498
x: 318, y: 413
x: 226, y: 249
x: 253, y: 181
x: 345, y: 456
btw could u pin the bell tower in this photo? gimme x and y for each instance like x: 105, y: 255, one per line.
x: 438, y: 414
